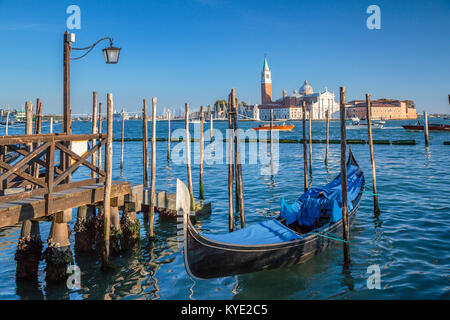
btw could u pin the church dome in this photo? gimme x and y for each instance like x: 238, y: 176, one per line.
x: 306, y: 88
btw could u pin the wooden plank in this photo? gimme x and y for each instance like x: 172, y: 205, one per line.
x: 81, y: 160
x: 34, y: 207
x: 24, y: 161
x: 25, y: 139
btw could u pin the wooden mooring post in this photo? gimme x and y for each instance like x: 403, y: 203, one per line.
x: 168, y: 136
x: 372, y: 156
x: 310, y: 140
x: 122, y: 145
x: 153, y: 173
x: 211, y: 126
x: 145, y: 144
x: 108, y: 182
x: 230, y: 166
x: 305, y: 156
x: 99, y: 156
x: 188, y: 155
x: 344, y: 178
x: 51, y: 125
x: 7, y: 122
x: 94, y: 129
x: 328, y: 135
x: 238, y: 164
x: 202, y: 143
x: 425, y: 128
x: 29, y: 247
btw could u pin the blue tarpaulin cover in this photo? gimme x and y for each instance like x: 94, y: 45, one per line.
x: 309, y: 207
x: 267, y: 232
x: 323, y: 201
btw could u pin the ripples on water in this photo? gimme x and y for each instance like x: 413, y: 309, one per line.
x: 409, y: 240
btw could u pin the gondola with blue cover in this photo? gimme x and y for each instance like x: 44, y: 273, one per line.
x: 306, y: 227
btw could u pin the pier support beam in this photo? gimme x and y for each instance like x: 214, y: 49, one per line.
x: 85, y: 229
x: 29, y: 251
x: 130, y: 226
x: 58, y: 254
x: 116, y: 236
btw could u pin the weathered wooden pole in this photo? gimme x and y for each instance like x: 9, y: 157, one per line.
x: 211, y: 125
x: 372, y: 157
x: 37, y: 130
x: 168, y: 138
x: 271, y: 129
x: 305, y: 155
x: 100, y: 131
x: 238, y: 165
x: 202, y: 143
x: 328, y: 135
x: 153, y: 172
x: 310, y: 140
x: 122, y: 145
x: 108, y: 181
x: 29, y: 247
x: 7, y: 123
x: 38, y: 117
x: 145, y: 144
x: 230, y: 166
x: 344, y: 177
x: 188, y: 155
x: 425, y: 127
x: 94, y: 129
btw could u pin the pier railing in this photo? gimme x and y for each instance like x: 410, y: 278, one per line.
x: 34, y: 170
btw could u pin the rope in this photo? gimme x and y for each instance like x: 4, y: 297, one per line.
x: 371, y: 193
x: 334, y: 237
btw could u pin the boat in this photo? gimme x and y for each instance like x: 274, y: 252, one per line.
x: 118, y: 116
x: 356, y: 124
x: 431, y: 127
x: 274, y: 243
x: 283, y: 127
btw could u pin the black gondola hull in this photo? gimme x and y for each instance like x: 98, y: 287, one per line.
x: 206, y: 258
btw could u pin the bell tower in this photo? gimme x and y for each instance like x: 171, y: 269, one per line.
x: 266, y: 84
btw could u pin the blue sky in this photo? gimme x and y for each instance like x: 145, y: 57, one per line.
x: 196, y: 51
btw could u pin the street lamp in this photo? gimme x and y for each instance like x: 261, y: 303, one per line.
x: 111, y: 55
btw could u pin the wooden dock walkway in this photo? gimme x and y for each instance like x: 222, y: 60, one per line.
x: 20, y: 210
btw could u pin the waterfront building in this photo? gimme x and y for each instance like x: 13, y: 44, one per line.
x: 290, y: 107
x: 384, y: 109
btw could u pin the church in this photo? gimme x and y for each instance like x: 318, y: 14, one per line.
x: 289, y: 107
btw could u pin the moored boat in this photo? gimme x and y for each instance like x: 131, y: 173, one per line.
x: 283, y: 127
x: 431, y: 127
x: 303, y: 229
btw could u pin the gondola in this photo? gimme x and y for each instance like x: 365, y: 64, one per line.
x: 274, y: 243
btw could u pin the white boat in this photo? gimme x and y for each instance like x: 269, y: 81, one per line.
x: 117, y: 116
x: 356, y: 124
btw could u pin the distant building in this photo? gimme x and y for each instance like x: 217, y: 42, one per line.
x: 381, y: 109
x: 250, y: 112
x: 290, y: 107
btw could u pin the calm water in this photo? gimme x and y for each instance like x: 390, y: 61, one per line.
x: 409, y: 240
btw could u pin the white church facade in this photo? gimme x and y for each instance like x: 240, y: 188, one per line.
x: 291, y: 107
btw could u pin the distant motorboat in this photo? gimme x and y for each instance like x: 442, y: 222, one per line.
x: 283, y: 127
x: 431, y: 127
x: 356, y: 124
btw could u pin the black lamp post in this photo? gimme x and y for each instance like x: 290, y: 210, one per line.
x: 111, y: 55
